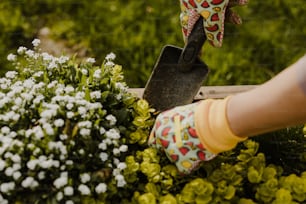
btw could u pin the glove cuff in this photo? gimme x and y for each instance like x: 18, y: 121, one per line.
x: 212, y: 126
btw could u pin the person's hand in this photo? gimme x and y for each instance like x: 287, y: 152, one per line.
x: 214, y: 13
x: 194, y: 133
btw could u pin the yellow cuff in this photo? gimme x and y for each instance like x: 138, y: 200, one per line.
x: 212, y: 126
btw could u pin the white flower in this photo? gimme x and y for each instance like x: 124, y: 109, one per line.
x: 101, y: 188
x: 102, y: 146
x: 85, y: 132
x: 36, y: 42
x: 82, y: 110
x: 16, y: 175
x: 109, y: 63
x: 11, y: 57
x: 116, y: 151
x: 30, y: 53
x: 112, y: 134
x: 52, y: 65
x: 68, y: 191
x: 29, y: 182
x: 120, y: 180
x: 103, y: 156
x: 60, y: 182
x: 7, y: 187
x: 2, y: 165
x: 59, y: 122
x: 63, y: 59
x: 84, y: 71
x: 85, y: 177
x: 21, y: 50
x: 70, y: 114
x: 112, y: 119
x: 69, y: 106
x: 84, y: 190
x: 41, y: 175
x: 59, y: 196
x: 69, y: 202
x: 90, y: 60
x: 97, y: 74
x: 121, y: 165
x: 5, y: 130
x: 9, y: 171
x: 95, y: 95
x: 111, y: 56
x: 102, y: 130
x: 123, y: 148
x: 11, y: 74
x: 32, y: 164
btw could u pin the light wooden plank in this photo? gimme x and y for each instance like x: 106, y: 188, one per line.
x: 206, y: 92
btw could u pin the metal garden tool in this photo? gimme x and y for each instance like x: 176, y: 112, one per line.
x: 178, y: 73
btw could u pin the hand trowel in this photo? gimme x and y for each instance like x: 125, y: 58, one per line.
x: 178, y: 73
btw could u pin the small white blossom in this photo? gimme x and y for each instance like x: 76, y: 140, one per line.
x: 102, y: 146
x: 16, y: 175
x: 59, y: 123
x: 112, y: 119
x: 11, y: 74
x: 30, y: 53
x: 102, y: 130
x: 85, y: 132
x: 84, y: 71
x: 85, y: 177
x: 9, y: 171
x: 59, y: 196
x: 82, y: 110
x: 120, y: 180
x: 101, y: 188
x: 112, y: 134
x: 97, y: 74
x: 69, y: 202
x: 41, y: 175
x: 29, y: 182
x: 111, y: 56
x: 103, y: 156
x: 109, y: 63
x: 11, y: 57
x: 60, y: 182
x: 21, y: 50
x: 123, y: 148
x: 63, y: 59
x: 116, y: 151
x: 95, y: 95
x: 2, y: 165
x: 121, y: 165
x: 68, y: 191
x: 7, y: 187
x: 90, y: 60
x: 84, y: 190
x: 70, y: 114
x: 36, y: 42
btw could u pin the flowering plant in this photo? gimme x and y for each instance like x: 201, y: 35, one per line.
x: 64, y: 128
x: 72, y: 133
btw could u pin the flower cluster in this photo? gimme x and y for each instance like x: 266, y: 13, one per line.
x: 64, y: 128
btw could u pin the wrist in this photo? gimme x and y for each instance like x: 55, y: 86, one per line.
x: 212, y: 126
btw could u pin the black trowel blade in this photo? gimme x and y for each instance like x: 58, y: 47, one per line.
x: 167, y: 86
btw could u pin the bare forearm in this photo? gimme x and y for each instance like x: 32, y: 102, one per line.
x: 278, y: 103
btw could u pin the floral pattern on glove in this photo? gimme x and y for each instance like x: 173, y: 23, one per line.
x: 214, y: 13
x: 174, y: 133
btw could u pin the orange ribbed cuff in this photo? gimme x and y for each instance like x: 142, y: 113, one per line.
x: 212, y: 126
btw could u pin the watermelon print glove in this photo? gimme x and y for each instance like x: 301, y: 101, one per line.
x: 174, y: 133
x: 194, y: 133
x: 214, y: 13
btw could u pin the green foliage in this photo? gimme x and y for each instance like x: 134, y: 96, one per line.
x: 80, y: 126
x: 270, y: 39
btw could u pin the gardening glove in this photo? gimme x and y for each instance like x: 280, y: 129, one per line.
x: 214, y: 13
x: 194, y: 133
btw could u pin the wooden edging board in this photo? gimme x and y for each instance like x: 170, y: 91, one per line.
x: 206, y: 92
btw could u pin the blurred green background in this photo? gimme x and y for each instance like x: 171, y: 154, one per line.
x: 272, y: 36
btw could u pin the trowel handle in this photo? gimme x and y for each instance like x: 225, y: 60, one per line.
x: 193, y: 47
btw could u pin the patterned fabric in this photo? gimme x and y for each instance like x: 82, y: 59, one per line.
x: 214, y: 13
x: 174, y: 133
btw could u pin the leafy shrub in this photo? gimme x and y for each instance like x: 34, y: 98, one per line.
x: 72, y: 133
x: 269, y: 40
